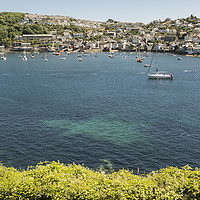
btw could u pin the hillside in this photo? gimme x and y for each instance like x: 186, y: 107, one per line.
x: 9, y: 26
x: 177, y: 36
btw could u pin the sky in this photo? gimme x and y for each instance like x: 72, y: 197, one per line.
x: 119, y: 10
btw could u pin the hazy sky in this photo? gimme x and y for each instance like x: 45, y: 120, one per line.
x: 120, y: 10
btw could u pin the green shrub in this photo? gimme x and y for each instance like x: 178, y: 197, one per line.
x: 57, y: 181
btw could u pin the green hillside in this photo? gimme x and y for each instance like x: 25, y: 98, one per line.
x: 9, y: 27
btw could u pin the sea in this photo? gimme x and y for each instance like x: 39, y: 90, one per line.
x: 98, y: 111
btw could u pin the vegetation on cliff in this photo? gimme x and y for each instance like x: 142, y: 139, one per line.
x: 58, y: 181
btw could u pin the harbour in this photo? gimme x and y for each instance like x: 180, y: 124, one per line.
x: 99, y: 109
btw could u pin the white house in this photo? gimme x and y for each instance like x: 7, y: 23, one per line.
x: 77, y: 35
x: 67, y: 35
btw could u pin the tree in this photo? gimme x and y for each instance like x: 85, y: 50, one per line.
x: 27, y: 30
x: 110, y: 21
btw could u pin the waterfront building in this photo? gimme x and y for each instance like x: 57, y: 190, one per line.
x: 37, y: 37
x: 20, y: 46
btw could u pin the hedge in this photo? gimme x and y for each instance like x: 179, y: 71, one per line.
x: 54, y: 180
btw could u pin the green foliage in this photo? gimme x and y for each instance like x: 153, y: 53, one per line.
x: 110, y: 21
x: 10, y: 18
x: 9, y: 27
x: 95, y: 38
x: 105, y: 166
x: 72, y: 19
x: 58, y: 181
x: 134, y: 32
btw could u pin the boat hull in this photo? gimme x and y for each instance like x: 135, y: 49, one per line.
x: 147, y: 65
x: 160, y: 76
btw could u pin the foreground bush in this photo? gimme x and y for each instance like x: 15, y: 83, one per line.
x: 58, y: 181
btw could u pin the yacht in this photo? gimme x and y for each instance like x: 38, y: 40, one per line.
x: 158, y: 74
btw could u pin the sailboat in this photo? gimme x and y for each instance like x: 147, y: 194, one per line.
x: 63, y: 57
x: 138, y: 57
x: 24, y: 57
x: 52, y: 49
x: 3, y: 57
x: 149, y: 65
x: 46, y: 59
x: 158, y: 74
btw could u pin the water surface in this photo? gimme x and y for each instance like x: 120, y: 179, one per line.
x: 99, y: 108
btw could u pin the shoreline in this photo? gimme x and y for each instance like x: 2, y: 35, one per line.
x: 95, y: 50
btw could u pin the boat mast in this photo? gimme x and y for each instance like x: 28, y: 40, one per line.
x: 157, y: 57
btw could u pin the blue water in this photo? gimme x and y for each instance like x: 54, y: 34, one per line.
x: 100, y: 108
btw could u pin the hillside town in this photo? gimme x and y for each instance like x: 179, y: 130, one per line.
x: 180, y: 36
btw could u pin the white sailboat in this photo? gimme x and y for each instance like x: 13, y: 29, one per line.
x: 24, y: 58
x: 158, y: 74
x: 52, y: 49
x: 149, y: 65
x: 63, y: 57
x: 3, y: 57
x: 46, y: 59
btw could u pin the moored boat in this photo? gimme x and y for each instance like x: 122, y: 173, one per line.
x: 24, y: 58
x: 3, y: 57
x: 147, y: 65
x: 139, y: 59
x: 158, y: 74
x: 111, y: 56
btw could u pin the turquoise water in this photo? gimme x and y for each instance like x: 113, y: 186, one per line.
x: 99, y: 109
